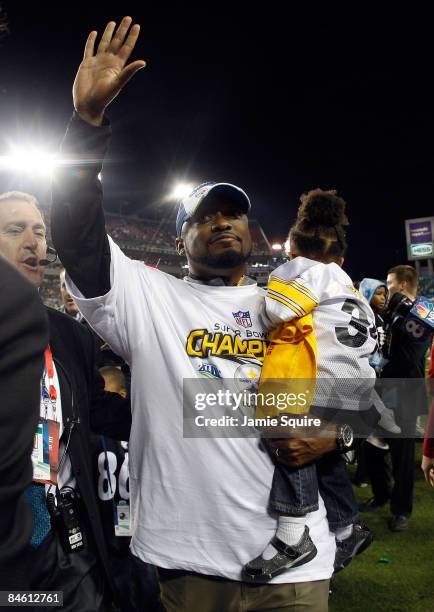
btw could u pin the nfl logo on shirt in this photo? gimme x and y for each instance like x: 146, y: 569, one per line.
x: 243, y: 318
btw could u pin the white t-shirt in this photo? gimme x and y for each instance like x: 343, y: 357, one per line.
x: 343, y: 323
x: 198, y: 504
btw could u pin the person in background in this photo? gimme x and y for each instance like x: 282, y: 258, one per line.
x: 69, y: 306
x: 375, y: 292
x: 404, y: 351
x: 72, y: 398
x: 427, y: 465
x: 137, y: 592
x: 23, y: 338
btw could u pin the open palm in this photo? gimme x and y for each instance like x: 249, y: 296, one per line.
x: 103, y: 74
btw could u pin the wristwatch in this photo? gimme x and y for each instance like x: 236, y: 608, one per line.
x: 344, y: 437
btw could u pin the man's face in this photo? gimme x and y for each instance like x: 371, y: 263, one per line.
x: 22, y: 238
x: 68, y: 300
x: 393, y: 285
x: 216, y: 239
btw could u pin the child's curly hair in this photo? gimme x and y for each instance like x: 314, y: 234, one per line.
x: 318, y: 232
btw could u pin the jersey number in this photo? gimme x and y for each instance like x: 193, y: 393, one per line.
x: 359, y: 323
x: 107, y: 477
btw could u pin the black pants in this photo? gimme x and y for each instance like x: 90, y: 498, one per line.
x: 77, y: 574
x: 295, y: 491
x: 362, y: 474
x: 400, y: 494
x: 144, y: 587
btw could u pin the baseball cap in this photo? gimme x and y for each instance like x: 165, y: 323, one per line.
x: 189, y: 205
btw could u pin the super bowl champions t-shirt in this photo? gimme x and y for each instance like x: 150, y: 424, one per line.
x: 198, y: 504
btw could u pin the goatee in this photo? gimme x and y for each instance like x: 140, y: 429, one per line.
x: 224, y: 261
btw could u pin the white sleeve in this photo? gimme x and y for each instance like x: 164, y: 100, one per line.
x: 292, y: 292
x: 112, y: 315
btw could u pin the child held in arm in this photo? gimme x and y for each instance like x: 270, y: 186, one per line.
x: 322, y: 330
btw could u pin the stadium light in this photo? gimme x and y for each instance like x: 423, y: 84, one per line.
x: 181, y: 190
x: 31, y: 161
x: 276, y: 246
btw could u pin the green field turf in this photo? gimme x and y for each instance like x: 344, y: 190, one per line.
x: 396, y: 573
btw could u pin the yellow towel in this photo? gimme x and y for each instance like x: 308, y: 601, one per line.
x: 291, y: 355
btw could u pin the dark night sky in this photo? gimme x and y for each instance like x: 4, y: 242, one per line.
x: 273, y: 100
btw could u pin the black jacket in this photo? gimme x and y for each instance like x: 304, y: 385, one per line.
x: 406, y: 354
x: 23, y: 338
x: 85, y: 405
x: 77, y: 217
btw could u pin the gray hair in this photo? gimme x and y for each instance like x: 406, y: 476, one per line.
x: 9, y: 196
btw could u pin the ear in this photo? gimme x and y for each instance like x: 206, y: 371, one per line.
x: 180, y: 246
x: 123, y: 393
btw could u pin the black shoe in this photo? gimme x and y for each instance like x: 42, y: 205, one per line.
x: 371, y: 505
x: 356, y: 543
x: 399, y: 522
x: 262, y: 570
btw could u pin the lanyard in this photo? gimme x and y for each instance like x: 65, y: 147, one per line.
x: 49, y: 396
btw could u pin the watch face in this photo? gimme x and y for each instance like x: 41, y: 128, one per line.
x: 347, y: 435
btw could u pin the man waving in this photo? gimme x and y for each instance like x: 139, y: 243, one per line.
x: 199, y: 504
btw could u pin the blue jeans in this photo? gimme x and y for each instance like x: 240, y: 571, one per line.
x: 294, y: 491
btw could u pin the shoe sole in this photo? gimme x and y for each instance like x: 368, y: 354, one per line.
x: 398, y: 529
x: 266, y: 577
x: 363, y: 545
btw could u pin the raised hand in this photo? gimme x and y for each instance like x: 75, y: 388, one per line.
x: 103, y: 74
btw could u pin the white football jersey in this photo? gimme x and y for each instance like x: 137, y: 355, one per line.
x: 344, y: 326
